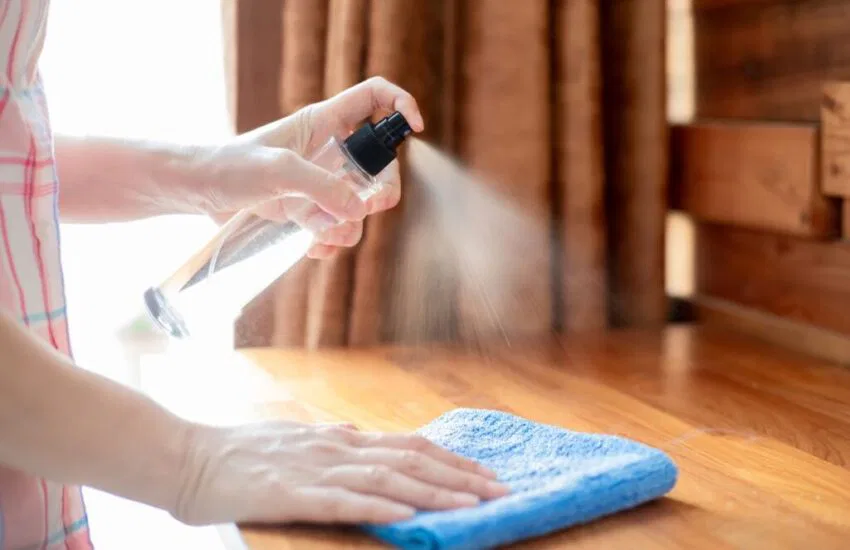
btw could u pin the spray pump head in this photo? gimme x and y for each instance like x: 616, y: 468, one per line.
x: 373, y: 146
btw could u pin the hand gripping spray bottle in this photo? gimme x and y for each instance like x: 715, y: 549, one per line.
x: 249, y: 253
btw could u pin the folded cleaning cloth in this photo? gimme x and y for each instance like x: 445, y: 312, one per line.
x: 558, y: 478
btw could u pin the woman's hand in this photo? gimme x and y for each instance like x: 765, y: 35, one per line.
x: 311, y: 127
x: 286, y: 472
x: 293, y: 188
x: 84, y: 429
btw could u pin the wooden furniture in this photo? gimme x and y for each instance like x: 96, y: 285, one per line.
x: 758, y: 152
x: 761, y: 435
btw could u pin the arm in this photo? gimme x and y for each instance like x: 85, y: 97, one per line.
x: 72, y: 426
x: 113, y: 180
x: 107, y: 179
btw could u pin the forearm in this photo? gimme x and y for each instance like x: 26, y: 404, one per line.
x: 72, y: 426
x: 104, y: 179
x: 108, y: 179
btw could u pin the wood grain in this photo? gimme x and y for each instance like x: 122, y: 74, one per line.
x: 795, y: 278
x: 767, y: 59
x: 761, y: 436
x: 761, y: 176
x: 793, y: 335
x: 835, y: 139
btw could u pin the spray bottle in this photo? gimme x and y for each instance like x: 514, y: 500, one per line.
x: 249, y: 253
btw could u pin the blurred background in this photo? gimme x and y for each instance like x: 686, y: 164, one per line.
x: 655, y: 161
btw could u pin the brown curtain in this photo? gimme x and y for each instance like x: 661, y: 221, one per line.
x: 558, y: 106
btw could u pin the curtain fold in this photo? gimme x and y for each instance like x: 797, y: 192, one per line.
x: 331, y: 284
x: 391, y: 39
x: 302, y: 76
x: 557, y: 106
x: 504, y: 132
x: 636, y: 150
x: 579, y: 165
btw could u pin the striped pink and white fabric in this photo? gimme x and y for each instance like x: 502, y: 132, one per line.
x: 34, y: 513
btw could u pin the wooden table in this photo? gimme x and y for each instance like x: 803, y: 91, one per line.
x: 761, y: 435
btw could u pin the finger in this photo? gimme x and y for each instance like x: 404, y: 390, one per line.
x: 431, y: 471
x: 338, y: 505
x: 309, y: 216
x: 375, y: 94
x: 420, y: 444
x: 322, y: 252
x: 386, y: 199
x: 301, y: 211
x: 271, y: 210
x: 293, y: 175
x: 347, y: 234
x: 338, y: 434
x: 383, y: 481
x: 389, y: 194
x: 342, y: 425
x: 329, y: 242
x: 304, y: 213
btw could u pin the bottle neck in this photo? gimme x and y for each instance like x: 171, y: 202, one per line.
x: 366, y: 185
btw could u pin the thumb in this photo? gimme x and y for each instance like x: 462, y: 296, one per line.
x: 291, y: 175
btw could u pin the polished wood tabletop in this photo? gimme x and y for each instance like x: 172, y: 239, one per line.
x: 761, y: 435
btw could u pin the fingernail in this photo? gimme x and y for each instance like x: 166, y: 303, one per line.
x: 497, y: 488
x: 321, y: 221
x: 403, y: 512
x: 465, y: 499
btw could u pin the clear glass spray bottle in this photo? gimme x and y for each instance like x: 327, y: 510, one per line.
x: 249, y: 253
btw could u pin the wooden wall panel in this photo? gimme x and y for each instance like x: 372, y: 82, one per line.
x: 835, y: 139
x: 760, y: 176
x: 781, y: 331
x: 799, y: 279
x: 766, y: 59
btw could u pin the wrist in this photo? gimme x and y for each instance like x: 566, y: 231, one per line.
x: 147, y: 460
x: 184, y: 177
x: 191, y: 456
x: 171, y: 465
x: 201, y: 487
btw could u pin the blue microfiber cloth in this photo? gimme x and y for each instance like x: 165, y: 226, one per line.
x: 558, y: 478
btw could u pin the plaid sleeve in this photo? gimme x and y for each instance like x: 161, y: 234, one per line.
x: 34, y: 513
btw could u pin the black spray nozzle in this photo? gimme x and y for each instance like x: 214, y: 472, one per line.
x: 373, y: 146
x: 393, y: 129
